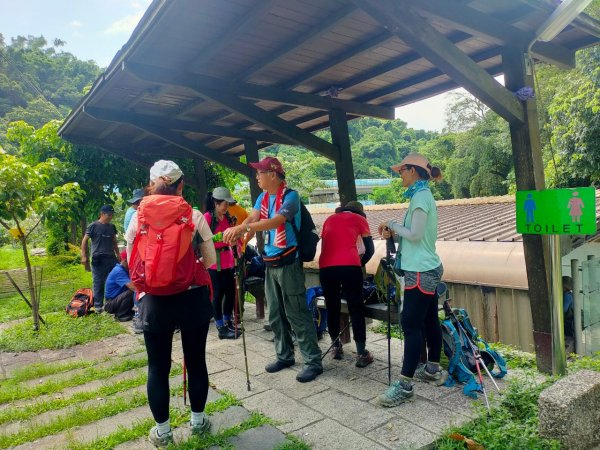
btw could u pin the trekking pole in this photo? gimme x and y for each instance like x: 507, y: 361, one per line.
x: 389, y: 270
x: 335, y: 340
x: 489, y: 374
x: 238, y: 289
x: 184, y: 383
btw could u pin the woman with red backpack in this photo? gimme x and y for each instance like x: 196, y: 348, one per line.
x: 222, y: 272
x: 173, y: 285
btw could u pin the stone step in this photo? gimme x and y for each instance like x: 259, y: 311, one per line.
x: 265, y: 437
x: 97, y: 429
x: 71, y: 391
x: 219, y: 421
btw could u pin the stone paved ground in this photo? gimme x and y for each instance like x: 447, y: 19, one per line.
x: 337, y: 411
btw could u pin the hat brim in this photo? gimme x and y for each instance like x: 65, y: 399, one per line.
x: 131, y: 201
x: 396, y: 167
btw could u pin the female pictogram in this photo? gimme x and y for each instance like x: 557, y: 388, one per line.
x: 575, y: 205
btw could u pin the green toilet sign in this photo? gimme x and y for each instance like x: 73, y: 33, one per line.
x: 557, y: 211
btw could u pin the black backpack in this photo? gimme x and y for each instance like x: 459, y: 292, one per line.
x: 307, y: 235
x: 81, y: 303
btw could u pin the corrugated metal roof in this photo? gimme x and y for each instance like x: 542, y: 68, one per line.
x: 481, y: 219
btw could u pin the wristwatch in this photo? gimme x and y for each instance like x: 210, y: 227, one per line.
x: 247, y: 228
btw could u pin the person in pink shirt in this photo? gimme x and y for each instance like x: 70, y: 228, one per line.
x: 340, y: 273
x: 222, y: 273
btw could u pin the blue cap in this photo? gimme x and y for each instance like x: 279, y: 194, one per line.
x: 107, y: 209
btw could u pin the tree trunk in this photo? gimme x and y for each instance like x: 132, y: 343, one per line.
x: 35, y: 305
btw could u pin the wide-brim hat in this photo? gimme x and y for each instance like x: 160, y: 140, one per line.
x: 413, y: 159
x: 222, y: 193
x: 138, y: 194
x: 268, y: 163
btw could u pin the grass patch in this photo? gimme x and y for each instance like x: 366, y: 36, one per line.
x: 293, y: 443
x: 584, y: 362
x: 62, y: 331
x: 511, y: 425
x: 515, y: 358
x: 178, y: 417
x: 382, y: 327
x: 12, y: 391
x: 59, y: 281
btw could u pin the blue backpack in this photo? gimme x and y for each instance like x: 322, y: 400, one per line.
x: 459, y: 337
x: 319, y: 315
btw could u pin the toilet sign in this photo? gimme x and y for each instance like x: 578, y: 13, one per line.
x: 557, y: 211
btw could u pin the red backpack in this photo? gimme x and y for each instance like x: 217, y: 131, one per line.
x: 163, y: 261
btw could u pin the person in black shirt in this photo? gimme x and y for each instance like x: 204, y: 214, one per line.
x: 104, y: 253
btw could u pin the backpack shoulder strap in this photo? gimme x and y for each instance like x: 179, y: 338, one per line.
x: 293, y: 223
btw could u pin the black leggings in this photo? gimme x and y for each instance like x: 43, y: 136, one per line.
x: 191, y: 311
x: 223, y: 284
x: 420, y: 315
x: 347, y: 281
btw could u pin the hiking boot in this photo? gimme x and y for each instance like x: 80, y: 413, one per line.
x: 395, y: 395
x: 278, y: 365
x: 308, y: 374
x: 160, y: 440
x: 201, y: 428
x: 267, y: 327
x: 236, y: 330
x: 225, y: 332
x: 98, y: 309
x: 337, y: 352
x: 365, y: 359
x: 437, y: 379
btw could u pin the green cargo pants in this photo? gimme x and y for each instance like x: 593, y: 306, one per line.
x: 286, y: 300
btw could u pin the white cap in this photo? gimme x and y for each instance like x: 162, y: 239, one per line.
x: 167, y: 170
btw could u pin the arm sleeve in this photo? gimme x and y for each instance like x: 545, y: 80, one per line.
x: 207, y: 248
x: 130, y: 234
x: 369, y: 250
x: 417, y: 227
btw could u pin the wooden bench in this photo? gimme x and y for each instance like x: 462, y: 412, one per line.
x: 377, y: 311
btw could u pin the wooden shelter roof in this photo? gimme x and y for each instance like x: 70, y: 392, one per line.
x: 198, y: 78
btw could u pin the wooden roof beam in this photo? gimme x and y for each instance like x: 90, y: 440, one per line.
x: 416, y: 32
x: 314, y: 32
x: 184, y: 125
x: 232, y: 32
x: 236, y: 105
x: 473, y: 22
x: 192, y: 147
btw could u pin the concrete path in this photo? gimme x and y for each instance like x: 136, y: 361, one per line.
x: 337, y: 411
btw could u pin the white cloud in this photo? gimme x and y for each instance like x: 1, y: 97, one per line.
x: 76, y: 24
x: 124, y: 25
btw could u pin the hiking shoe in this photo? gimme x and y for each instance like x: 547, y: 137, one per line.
x: 337, y: 352
x: 236, y: 330
x: 201, y: 428
x: 437, y: 379
x: 98, y: 309
x: 395, y: 395
x: 278, y: 365
x: 160, y: 440
x: 267, y: 327
x: 138, y: 327
x: 225, y: 332
x: 365, y: 359
x: 308, y: 374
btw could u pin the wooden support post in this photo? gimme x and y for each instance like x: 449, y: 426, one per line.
x: 251, y: 149
x: 529, y: 174
x: 344, y: 169
x: 201, y: 188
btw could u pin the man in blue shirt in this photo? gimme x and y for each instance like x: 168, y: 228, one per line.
x: 119, y: 291
x: 273, y: 212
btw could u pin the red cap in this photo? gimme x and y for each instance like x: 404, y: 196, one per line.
x: 268, y: 163
x: 123, y: 255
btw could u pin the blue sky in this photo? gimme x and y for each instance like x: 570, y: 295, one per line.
x: 97, y: 29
